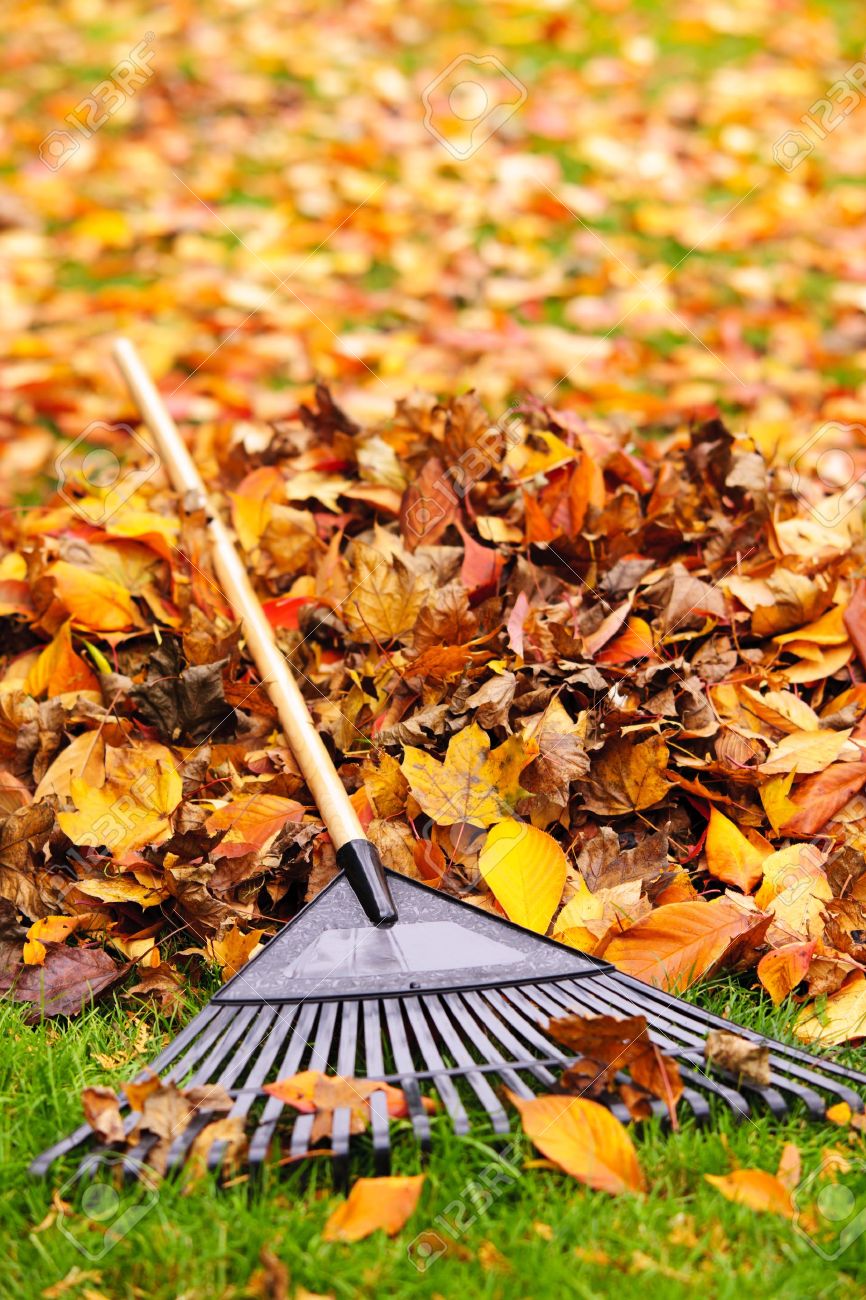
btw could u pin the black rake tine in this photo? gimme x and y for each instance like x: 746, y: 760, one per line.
x: 258, y: 1074
x: 457, y: 1048
x: 303, y: 1126
x: 380, y: 1125
x: 341, y: 1121
x: 406, y: 1069
x: 297, y: 1045
x: 230, y: 1072
x: 476, y: 1035
x: 433, y: 1060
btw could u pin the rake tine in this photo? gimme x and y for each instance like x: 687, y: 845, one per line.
x: 380, y: 1125
x: 678, y: 1040
x: 258, y: 1074
x: 500, y: 1031
x: 433, y: 1060
x: 705, y: 1020
x: 235, y: 1064
x: 297, y: 1045
x: 341, y: 1122
x: 406, y: 1069
x: 476, y: 1035
x: 473, y: 1077
x: 303, y: 1126
x: 39, y: 1167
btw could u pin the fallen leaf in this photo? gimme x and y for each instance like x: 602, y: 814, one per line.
x: 582, y: 1138
x: 474, y: 784
x: 756, y: 1189
x: 374, y: 1203
x: 681, y: 942
x: 739, y: 1056
x: 628, y: 777
x: 525, y: 868
x: 731, y: 857
x: 839, y: 1018
x: 781, y: 970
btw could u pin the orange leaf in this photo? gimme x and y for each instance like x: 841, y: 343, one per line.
x: 677, y: 944
x: 254, y: 819
x: 821, y: 796
x: 373, y: 1203
x: 60, y: 669
x: 730, y: 856
x: 781, y: 970
x: 755, y: 1188
x: 584, y: 1139
x: 93, y: 601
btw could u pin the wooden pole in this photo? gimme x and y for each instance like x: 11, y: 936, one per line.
x: 327, y: 789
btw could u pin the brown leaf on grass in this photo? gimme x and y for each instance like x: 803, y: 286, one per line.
x: 102, y: 1112
x: 680, y: 943
x: 372, y: 1204
x: 739, y: 1056
x: 582, y: 1138
x: 68, y: 980
x: 612, y: 1044
x: 627, y: 777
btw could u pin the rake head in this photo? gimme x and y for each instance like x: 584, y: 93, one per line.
x: 449, y: 1003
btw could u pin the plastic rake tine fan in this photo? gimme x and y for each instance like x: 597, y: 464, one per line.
x: 384, y: 978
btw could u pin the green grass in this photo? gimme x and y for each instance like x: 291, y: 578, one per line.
x: 520, y: 1231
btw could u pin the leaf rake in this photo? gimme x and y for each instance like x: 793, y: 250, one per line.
x: 383, y: 978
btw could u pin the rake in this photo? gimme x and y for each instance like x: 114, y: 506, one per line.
x: 383, y: 978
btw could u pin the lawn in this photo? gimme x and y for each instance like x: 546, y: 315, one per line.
x: 503, y: 1229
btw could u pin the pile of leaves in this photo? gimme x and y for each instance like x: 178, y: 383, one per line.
x: 613, y: 692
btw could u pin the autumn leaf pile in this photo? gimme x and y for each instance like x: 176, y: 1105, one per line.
x: 613, y: 691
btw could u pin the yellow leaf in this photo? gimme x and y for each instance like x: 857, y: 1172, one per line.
x: 142, y: 788
x: 756, y: 1189
x: 387, y: 595
x: 774, y: 796
x: 473, y: 784
x: 385, y: 1203
x: 91, y: 600
x: 526, y: 869
x: 841, y: 1017
x: 730, y: 856
x: 252, y: 504
x: 584, y: 1139
x: 233, y: 950
x: 805, y: 751
x: 794, y: 890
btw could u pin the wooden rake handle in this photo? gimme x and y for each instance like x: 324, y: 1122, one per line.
x: 355, y: 854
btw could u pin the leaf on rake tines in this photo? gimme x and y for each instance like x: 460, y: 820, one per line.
x: 166, y: 1112
x: 102, y: 1112
x: 746, y: 1060
x: 373, y: 1203
x: 582, y: 1138
x: 312, y: 1092
x: 605, y: 1045
x: 67, y: 981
